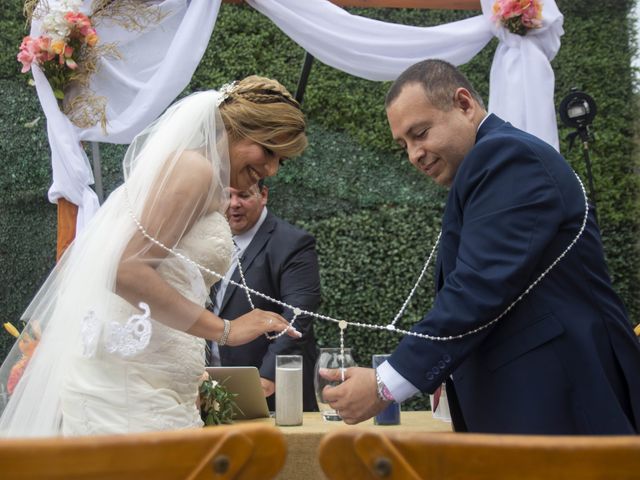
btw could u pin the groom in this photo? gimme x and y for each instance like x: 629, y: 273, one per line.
x: 563, y: 359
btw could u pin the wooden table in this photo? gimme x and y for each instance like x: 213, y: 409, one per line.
x: 303, y: 441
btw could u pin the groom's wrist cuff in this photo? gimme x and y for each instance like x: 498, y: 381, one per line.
x: 382, y: 390
x: 400, y: 388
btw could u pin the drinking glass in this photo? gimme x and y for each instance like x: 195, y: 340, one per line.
x: 329, y: 358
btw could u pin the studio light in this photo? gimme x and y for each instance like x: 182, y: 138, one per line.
x: 577, y: 110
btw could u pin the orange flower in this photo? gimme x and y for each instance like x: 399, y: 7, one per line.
x: 92, y: 39
x: 16, y: 374
x: 27, y: 344
x: 57, y: 47
x: 72, y: 31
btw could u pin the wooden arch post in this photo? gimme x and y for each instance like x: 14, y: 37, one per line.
x: 67, y: 217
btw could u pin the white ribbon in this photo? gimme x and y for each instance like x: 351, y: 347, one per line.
x: 157, y: 64
x: 521, y: 82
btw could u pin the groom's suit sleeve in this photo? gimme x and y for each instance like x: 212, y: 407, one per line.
x: 503, y: 210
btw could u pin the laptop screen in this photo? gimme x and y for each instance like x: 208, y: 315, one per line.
x: 245, y: 383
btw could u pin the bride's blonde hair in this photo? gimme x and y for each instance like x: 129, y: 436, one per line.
x: 262, y: 110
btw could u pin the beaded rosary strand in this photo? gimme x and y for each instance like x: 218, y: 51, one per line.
x: 342, y: 324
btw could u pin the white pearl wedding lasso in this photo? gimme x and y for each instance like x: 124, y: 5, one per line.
x: 391, y: 326
x: 296, y: 311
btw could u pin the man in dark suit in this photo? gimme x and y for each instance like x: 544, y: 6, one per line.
x: 522, y: 347
x: 279, y: 260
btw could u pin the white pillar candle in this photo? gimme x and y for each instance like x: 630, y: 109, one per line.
x: 288, y: 390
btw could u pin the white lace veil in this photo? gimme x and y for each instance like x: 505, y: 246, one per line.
x: 176, y: 172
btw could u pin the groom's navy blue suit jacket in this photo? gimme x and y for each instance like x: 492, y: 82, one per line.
x: 564, y: 359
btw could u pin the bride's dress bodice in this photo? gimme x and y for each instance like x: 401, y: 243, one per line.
x: 112, y: 390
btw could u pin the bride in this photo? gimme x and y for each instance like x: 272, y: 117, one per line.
x: 119, y: 327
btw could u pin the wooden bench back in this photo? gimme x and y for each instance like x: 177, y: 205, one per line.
x: 365, y: 454
x: 222, y: 452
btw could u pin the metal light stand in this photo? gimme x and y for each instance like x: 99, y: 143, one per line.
x: 304, y: 77
x: 577, y: 110
x: 97, y: 171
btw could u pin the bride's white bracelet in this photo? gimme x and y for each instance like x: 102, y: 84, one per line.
x: 225, y: 334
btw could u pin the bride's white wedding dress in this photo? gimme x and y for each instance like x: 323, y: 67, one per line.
x: 122, y: 383
x: 103, y: 365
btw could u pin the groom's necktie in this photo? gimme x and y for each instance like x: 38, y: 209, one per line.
x: 224, y: 283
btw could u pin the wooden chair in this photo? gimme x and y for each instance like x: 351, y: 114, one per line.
x: 222, y: 452
x: 366, y: 454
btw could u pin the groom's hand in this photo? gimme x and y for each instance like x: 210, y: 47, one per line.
x: 356, y: 398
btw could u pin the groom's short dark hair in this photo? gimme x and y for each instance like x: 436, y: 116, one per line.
x: 438, y: 78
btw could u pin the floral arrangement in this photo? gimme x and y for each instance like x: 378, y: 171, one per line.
x: 518, y: 16
x: 66, y: 36
x: 217, y: 404
x: 27, y: 344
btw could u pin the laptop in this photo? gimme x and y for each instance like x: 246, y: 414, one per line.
x: 245, y: 383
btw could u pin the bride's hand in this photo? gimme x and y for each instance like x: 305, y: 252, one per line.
x: 253, y: 324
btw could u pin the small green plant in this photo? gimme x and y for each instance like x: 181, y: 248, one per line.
x: 217, y: 405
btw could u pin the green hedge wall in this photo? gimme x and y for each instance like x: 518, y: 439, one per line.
x: 375, y: 219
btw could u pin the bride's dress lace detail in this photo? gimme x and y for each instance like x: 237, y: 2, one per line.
x: 131, y: 338
x: 108, y: 391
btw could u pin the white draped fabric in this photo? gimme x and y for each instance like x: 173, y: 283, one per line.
x: 521, y: 82
x: 158, y: 62
x: 156, y: 65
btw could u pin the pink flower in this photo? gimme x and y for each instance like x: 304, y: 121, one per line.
x: 28, y: 53
x: 27, y: 343
x: 67, y: 57
x: 518, y: 16
x: 45, y: 50
x: 66, y: 32
x: 532, y: 15
x: 77, y: 20
x: 81, y: 27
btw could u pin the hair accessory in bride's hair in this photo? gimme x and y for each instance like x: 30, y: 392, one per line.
x: 225, y: 92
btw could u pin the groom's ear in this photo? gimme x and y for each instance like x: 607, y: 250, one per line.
x: 463, y: 100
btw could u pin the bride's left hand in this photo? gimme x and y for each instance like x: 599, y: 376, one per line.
x: 256, y: 322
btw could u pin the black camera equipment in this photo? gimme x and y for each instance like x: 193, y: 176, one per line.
x: 577, y: 110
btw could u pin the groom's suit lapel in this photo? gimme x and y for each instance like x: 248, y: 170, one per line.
x: 450, y: 219
x: 255, y: 247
